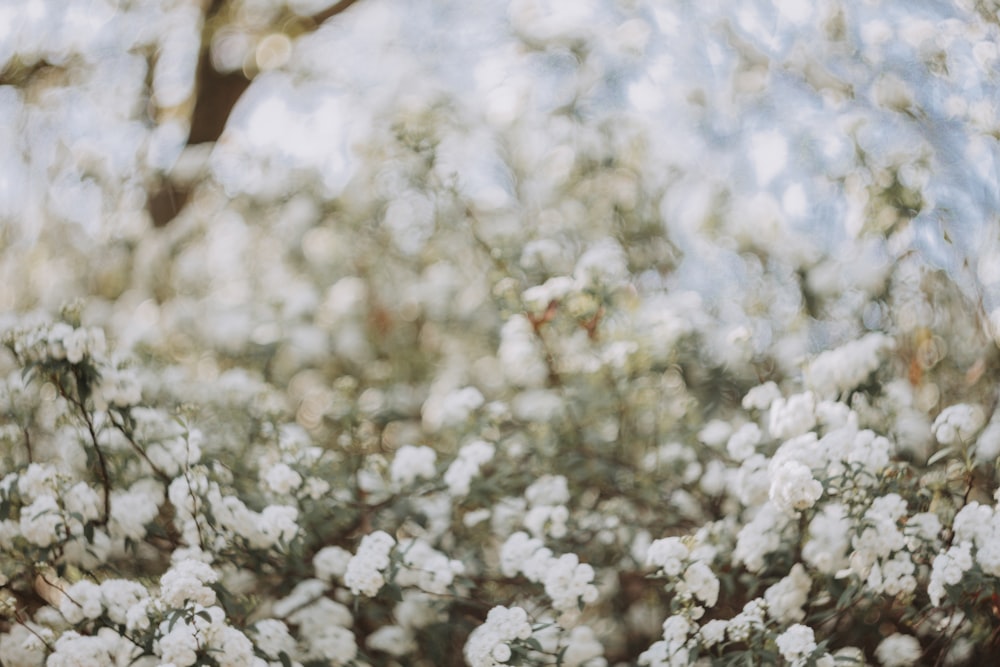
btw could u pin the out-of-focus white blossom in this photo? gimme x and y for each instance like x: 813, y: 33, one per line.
x: 836, y: 371
x: 898, y: 650
x: 412, y: 462
x: 958, y: 423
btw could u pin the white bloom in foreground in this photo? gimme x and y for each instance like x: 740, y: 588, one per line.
x: 82, y: 600
x: 749, y: 620
x: 120, y: 595
x: 958, y: 423
x: 948, y: 569
x: 796, y: 644
x: 364, y: 570
x: 786, y: 598
x: 568, y: 582
x: 701, y: 582
x: 898, y: 650
x: 793, y: 486
x: 489, y: 644
x: 667, y: 554
x: 185, y: 581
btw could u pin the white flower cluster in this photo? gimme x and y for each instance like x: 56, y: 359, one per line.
x: 792, y: 416
x: 837, y: 371
x: 976, y: 529
x: 958, y: 423
x: 60, y: 341
x: 793, y: 487
x: 193, y: 493
x: 325, y: 634
x: 365, y: 571
x: 567, y: 581
x: 466, y: 466
x: 412, y: 463
x: 673, y: 559
x: 797, y: 644
x: 426, y: 568
x: 489, y: 644
x: 674, y: 649
x: 548, y: 513
x: 605, y: 325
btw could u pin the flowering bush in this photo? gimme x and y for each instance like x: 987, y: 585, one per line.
x: 584, y: 353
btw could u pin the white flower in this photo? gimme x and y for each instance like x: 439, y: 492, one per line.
x: 547, y: 490
x: 455, y: 407
x: 392, y: 639
x: 330, y: 563
x: 466, y: 466
x: 503, y: 625
x: 786, y: 598
x: 42, y: 522
x: 829, y: 539
x: 521, y: 353
x: 948, y: 569
x: 412, y: 463
x: 185, y: 582
x: 898, y: 650
x: 796, y: 644
x: 281, y: 479
x: 568, y: 582
x: 272, y: 637
x: 748, y: 620
x: 667, y: 554
x: 82, y: 600
x: 741, y: 444
x: 761, y: 396
x: 120, y: 595
x: 761, y: 536
x: 793, y: 486
x: 792, y: 416
x: 958, y: 423
x: 702, y: 583
x: 835, y: 372
x: 37, y: 480
x: 277, y: 523
x: 516, y: 551
x: 364, y: 570
x: 178, y: 644
x: 323, y: 629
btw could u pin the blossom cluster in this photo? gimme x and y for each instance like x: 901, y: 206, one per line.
x: 585, y: 352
